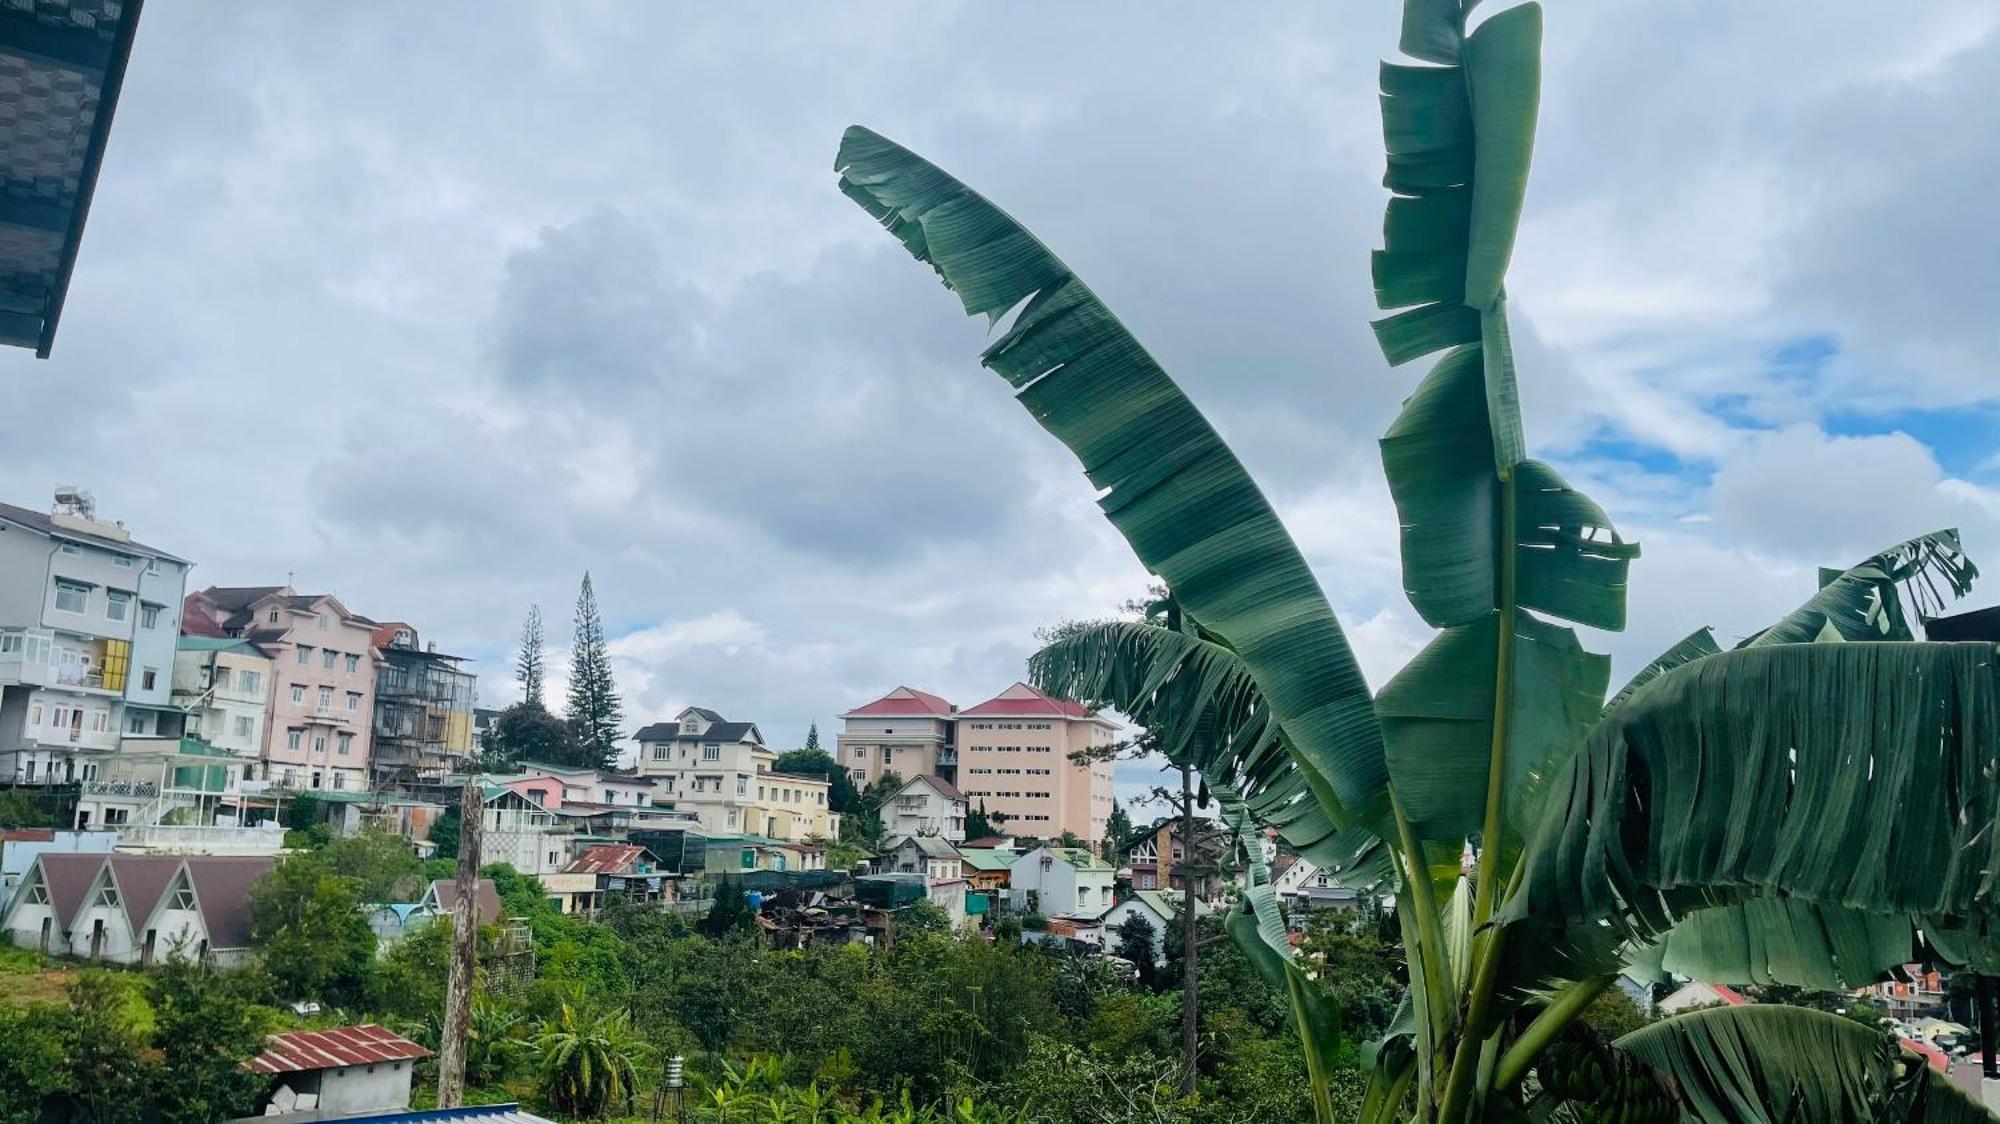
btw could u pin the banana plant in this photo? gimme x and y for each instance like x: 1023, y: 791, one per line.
x: 1811, y: 807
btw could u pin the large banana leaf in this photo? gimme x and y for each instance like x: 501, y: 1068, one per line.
x: 1171, y: 487
x: 1201, y: 703
x: 1689, y: 648
x: 1862, y: 602
x: 1863, y: 776
x: 1765, y: 1064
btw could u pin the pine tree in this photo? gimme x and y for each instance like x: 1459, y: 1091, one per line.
x: 594, y: 710
x: 812, y: 738
x: 532, y: 662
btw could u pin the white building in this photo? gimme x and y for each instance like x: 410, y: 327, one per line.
x: 1060, y: 881
x: 521, y: 833
x: 928, y: 855
x: 724, y: 773
x: 135, y: 909
x: 225, y: 685
x: 925, y: 805
x: 1160, y: 909
x: 88, y: 621
x: 328, y: 1073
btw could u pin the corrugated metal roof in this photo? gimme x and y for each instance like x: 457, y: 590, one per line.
x: 369, y: 1044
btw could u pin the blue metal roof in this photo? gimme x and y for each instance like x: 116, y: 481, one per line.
x: 480, y: 1114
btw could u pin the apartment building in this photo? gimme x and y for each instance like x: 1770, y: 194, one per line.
x: 925, y: 806
x: 906, y: 732
x: 224, y: 685
x: 88, y: 620
x: 319, y: 725
x: 423, y: 718
x: 724, y: 773
x: 1014, y: 758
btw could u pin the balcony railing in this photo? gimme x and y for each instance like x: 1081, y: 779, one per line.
x: 264, y: 839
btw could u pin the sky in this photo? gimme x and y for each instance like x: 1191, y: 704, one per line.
x: 437, y: 313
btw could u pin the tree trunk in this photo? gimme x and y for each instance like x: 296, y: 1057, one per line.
x: 464, y: 950
x: 1190, y: 980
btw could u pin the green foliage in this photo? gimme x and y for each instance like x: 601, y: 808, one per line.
x: 1361, y: 973
x: 303, y: 813
x: 407, y: 985
x: 206, y: 1029
x: 1117, y: 829
x: 528, y: 732
x: 595, y: 713
x: 444, y: 838
x: 32, y: 1060
x: 730, y: 913
x: 382, y: 867
x: 531, y: 662
x: 307, y: 924
x: 922, y: 917
x: 1133, y: 939
x: 980, y: 823
x: 27, y: 807
x: 106, y: 1075
x: 588, y: 1061
x: 841, y: 794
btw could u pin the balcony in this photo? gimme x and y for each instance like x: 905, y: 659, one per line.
x: 330, y: 716
x: 35, y: 657
x: 94, y: 741
x: 265, y: 839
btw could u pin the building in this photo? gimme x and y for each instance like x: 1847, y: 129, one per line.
x: 906, y: 732
x: 1160, y: 910
x: 88, y: 620
x: 928, y: 855
x: 441, y: 897
x: 65, y: 67
x: 520, y: 832
x: 1157, y: 858
x: 1697, y: 995
x: 987, y: 869
x: 423, y: 709
x: 724, y: 773
x: 925, y: 805
x: 224, y: 684
x: 135, y: 909
x: 1014, y: 759
x: 1060, y: 881
x: 1304, y: 887
x: 607, y: 873
x: 343, y: 1070
x: 323, y: 697
x: 20, y: 846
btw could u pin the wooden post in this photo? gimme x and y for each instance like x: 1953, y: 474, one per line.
x: 1190, y: 936
x: 464, y: 950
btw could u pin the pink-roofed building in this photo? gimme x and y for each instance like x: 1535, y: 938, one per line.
x: 906, y: 732
x: 1013, y: 758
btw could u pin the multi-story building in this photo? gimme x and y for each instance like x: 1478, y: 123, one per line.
x: 323, y: 697
x: 224, y: 685
x: 1060, y: 881
x: 423, y: 709
x: 88, y: 621
x: 1014, y: 759
x: 927, y: 806
x: 723, y: 772
x: 906, y: 732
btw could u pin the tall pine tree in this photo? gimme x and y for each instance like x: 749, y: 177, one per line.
x: 595, y: 713
x: 812, y: 738
x: 530, y: 665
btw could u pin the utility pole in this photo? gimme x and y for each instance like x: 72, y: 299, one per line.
x: 1190, y: 942
x: 464, y: 950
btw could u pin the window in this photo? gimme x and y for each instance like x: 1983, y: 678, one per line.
x: 293, y: 737
x: 326, y: 698
x: 299, y: 693
x: 222, y: 679
x: 100, y: 721
x: 742, y: 784
x: 35, y: 715
x: 271, y: 617
x: 324, y: 622
x: 319, y: 746
x: 149, y: 616
x: 183, y: 895
x: 305, y: 655
x: 71, y: 548
x: 732, y: 817
x: 660, y: 754
x: 346, y: 744
x: 244, y: 727
x: 860, y: 752
x: 249, y: 682
x: 353, y: 663
x: 711, y: 751
x: 353, y: 701
x: 122, y: 561
x: 148, y: 678
x: 327, y: 657
x: 71, y: 597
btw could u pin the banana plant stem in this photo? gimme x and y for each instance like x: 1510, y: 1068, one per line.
x: 1572, y: 1002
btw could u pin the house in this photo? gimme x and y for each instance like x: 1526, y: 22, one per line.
x: 88, y: 620
x: 1917, y: 990
x: 351, y: 813
x: 516, y: 829
x: 1157, y: 857
x: 318, y: 730
x: 1060, y: 881
x: 225, y: 686
x: 1695, y: 995
x: 1304, y: 888
x: 1160, y: 909
x: 392, y: 921
x: 20, y: 846
x: 928, y: 855
x: 925, y: 805
x: 1014, y: 759
x: 441, y: 898
x: 986, y: 868
x: 332, y: 1072
x: 134, y: 909
x: 906, y: 732
x: 724, y: 773
x: 423, y: 708
x: 609, y: 872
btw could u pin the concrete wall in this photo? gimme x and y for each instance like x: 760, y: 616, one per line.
x: 162, y: 585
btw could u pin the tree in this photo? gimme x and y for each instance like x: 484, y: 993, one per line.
x: 923, y: 916
x: 1667, y: 815
x: 106, y: 1071
x: 208, y: 1032
x: 531, y: 663
x: 595, y: 714
x: 1117, y: 829
x: 841, y: 795
x: 812, y: 738
x: 529, y: 733
x: 307, y: 923
x: 980, y: 823
x: 382, y: 866
x: 31, y: 1060
x: 589, y: 1061
x: 1139, y: 942
x: 444, y: 835
x: 730, y: 912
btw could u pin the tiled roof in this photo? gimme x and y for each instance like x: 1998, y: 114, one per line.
x: 932, y: 846
x: 706, y: 713
x: 69, y: 877
x: 943, y: 787
x: 1021, y: 700
x: 658, y: 732
x: 222, y: 886
x: 446, y: 891
x: 1169, y: 905
x: 236, y: 598
x: 903, y: 702
x: 41, y: 521
x: 299, y: 1050
x: 28, y: 835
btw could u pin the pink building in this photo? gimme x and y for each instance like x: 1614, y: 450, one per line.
x: 1013, y: 758
x: 323, y: 700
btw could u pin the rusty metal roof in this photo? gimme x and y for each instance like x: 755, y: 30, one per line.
x: 368, y: 1044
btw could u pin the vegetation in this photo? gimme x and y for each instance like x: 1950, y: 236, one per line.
x: 531, y: 663
x: 596, y: 716
x: 526, y: 732
x: 307, y: 923
x: 1672, y: 820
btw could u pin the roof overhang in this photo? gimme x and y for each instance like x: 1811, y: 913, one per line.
x: 61, y: 69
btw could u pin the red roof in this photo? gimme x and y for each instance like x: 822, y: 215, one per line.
x: 1729, y: 996
x: 903, y: 702
x: 299, y: 1050
x: 28, y: 835
x: 1938, y: 1059
x: 1020, y: 700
